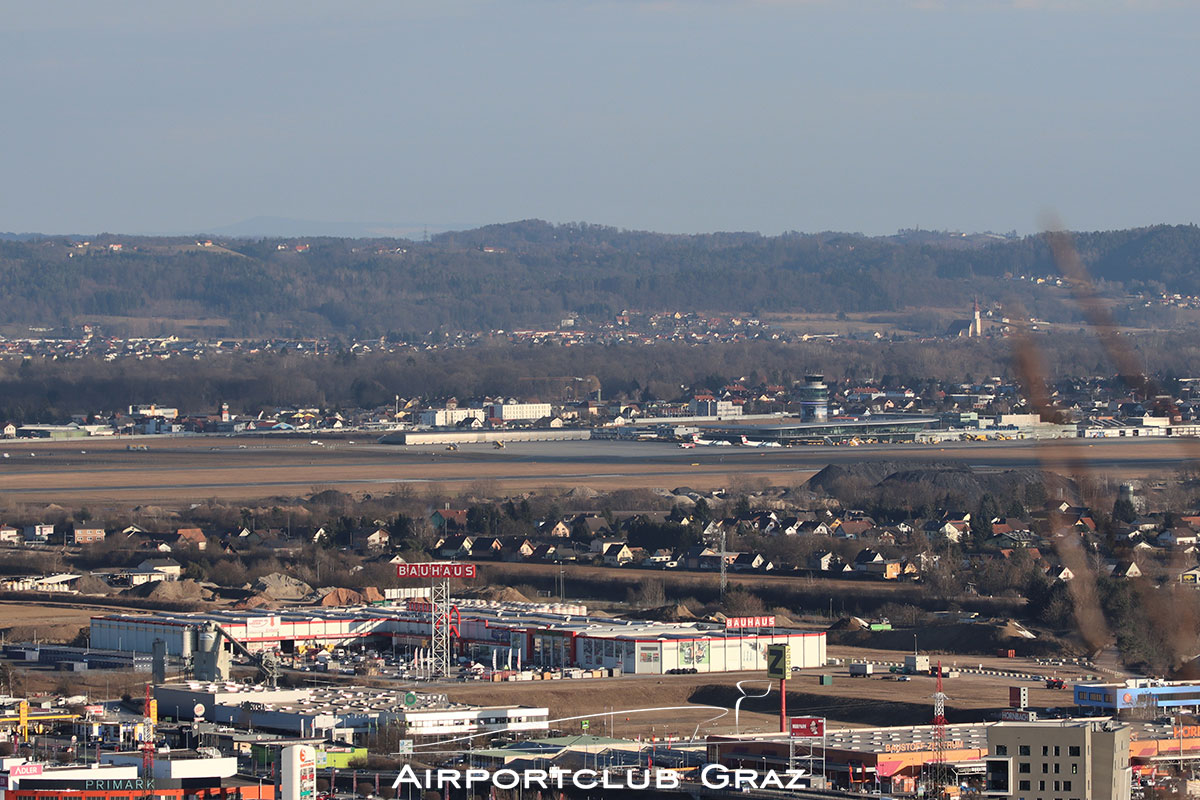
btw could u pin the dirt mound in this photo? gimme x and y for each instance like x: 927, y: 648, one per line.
x: 339, y: 596
x: 278, y: 586
x: 582, y: 493
x: 64, y: 632
x: 849, y: 624
x: 959, y: 638
x: 256, y: 601
x: 498, y: 594
x: 183, y: 591
x: 675, y: 613
x: 90, y: 584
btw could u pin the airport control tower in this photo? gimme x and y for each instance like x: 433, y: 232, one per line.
x: 814, y: 399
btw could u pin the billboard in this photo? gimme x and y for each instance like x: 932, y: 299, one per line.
x: 435, y: 569
x: 779, y: 661
x: 766, y: 621
x: 298, y: 774
x: 807, y: 727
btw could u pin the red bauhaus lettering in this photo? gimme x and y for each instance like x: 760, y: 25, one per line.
x: 435, y: 569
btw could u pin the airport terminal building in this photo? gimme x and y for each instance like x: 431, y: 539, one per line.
x: 831, y: 430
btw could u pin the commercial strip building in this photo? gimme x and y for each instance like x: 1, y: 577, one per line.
x: 346, y: 714
x: 1149, y: 695
x: 1087, y: 757
x: 177, y: 775
x: 888, y: 759
x: 524, y: 634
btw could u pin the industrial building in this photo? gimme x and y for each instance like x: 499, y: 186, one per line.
x: 340, y: 713
x: 520, y: 634
x: 77, y: 659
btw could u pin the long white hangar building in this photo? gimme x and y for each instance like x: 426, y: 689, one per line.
x: 525, y: 634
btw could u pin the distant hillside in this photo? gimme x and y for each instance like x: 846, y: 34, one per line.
x: 532, y: 273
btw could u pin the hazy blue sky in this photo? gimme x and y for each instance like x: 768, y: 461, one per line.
x: 681, y: 115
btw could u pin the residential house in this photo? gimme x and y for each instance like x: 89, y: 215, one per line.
x: 870, y: 562
x: 827, y: 561
x: 1177, y: 537
x: 589, y: 525
x: 555, y: 529
x: 516, y: 549
x: 9, y: 431
x: 166, y: 566
x: 1060, y: 573
x: 38, y: 534
x: 486, y: 547
x: 1126, y: 569
x: 663, y: 558
x: 1143, y: 549
x: 10, y: 535
x: 1014, y: 539
x: 813, y: 527
x: 455, y: 547
x: 712, y: 561
x: 853, y: 528
x: 748, y: 562
x: 884, y: 536
x: 191, y: 537
x: 691, y: 558
x: 617, y: 554
x: 445, y: 520
x: 82, y: 536
x: 786, y: 526
x: 547, y: 553
x: 378, y: 540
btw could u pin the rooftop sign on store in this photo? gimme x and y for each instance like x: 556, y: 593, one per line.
x: 435, y: 569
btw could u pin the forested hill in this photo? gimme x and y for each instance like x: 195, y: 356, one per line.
x: 533, y: 273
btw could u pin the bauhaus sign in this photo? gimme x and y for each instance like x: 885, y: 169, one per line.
x: 767, y: 621
x: 435, y: 569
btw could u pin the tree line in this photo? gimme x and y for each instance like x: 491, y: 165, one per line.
x: 532, y: 274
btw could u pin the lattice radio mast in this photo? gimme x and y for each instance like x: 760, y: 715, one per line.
x: 939, y: 773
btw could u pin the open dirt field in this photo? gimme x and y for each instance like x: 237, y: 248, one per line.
x: 176, y: 471
x: 849, y: 702
x: 24, y: 622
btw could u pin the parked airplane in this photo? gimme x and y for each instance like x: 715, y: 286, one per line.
x: 747, y: 443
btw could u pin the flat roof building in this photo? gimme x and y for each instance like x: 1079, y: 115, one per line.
x: 832, y: 430
x: 1058, y: 760
x: 345, y: 713
x: 529, y: 634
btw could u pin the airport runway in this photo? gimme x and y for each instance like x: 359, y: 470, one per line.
x: 179, y: 470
